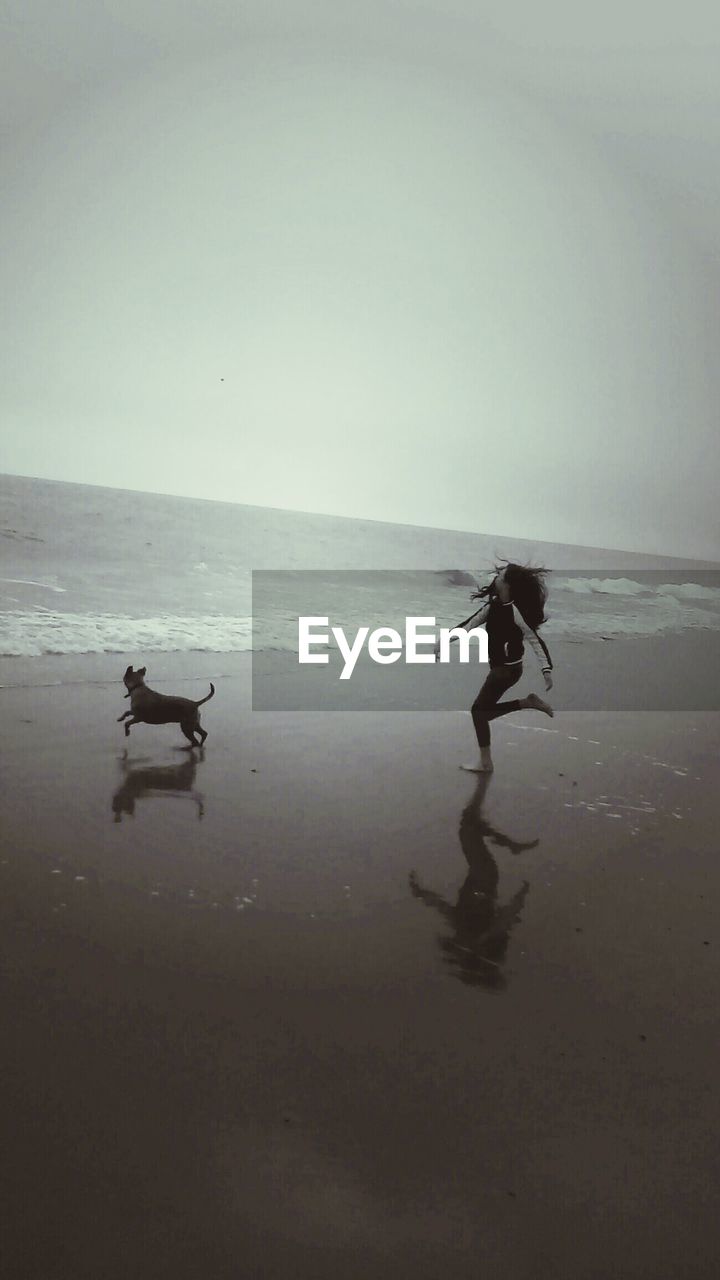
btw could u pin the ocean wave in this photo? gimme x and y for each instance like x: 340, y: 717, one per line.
x: 19, y: 537
x: 32, y: 634
x: 689, y: 591
x: 654, y: 622
x: 459, y: 577
x: 602, y: 586
x: 47, y: 584
x: 629, y: 587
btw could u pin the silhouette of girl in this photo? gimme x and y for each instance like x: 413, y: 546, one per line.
x: 513, y: 608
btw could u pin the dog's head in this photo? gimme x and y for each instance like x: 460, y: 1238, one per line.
x: 133, y: 679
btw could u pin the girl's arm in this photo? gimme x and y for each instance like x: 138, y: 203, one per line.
x: 537, y: 645
x: 476, y: 620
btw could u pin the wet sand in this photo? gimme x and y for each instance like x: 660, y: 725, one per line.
x: 297, y: 1006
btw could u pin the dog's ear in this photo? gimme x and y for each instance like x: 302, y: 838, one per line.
x: 142, y: 671
x: 128, y: 672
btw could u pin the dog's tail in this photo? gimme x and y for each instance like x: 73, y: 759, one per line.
x: 209, y: 696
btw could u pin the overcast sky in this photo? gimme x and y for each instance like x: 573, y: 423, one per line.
x: 279, y: 255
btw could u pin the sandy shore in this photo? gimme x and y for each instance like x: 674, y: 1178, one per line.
x: 655, y: 673
x: 300, y: 1006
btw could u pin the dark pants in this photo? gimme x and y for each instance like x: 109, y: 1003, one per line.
x: 485, y: 707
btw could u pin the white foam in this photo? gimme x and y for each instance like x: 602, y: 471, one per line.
x: 689, y: 591
x: 581, y: 609
x: 658, y: 616
x: 27, y: 634
x: 614, y: 607
x: 31, y: 582
x: 602, y: 586
x: 630, y: 587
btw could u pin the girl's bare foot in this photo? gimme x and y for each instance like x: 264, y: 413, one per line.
x: 538, y: 704
x: 485, y: 766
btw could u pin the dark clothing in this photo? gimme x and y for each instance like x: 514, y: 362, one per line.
x: 507, y: 632
x: 485, y: 707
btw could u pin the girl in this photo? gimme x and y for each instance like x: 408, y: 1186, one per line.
x: 513, y: 611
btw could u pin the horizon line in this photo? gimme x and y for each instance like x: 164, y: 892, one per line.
x: 688, y: 561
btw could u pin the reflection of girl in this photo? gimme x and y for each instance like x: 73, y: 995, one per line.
x: 481, y: 927
x: 512, y: 612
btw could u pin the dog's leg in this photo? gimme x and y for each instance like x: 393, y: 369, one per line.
x: 128, y: 725
x: 197, y: 728
x: 188, y: 727
x: 124, y: 716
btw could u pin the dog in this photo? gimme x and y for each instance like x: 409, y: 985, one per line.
x: 149, y: 707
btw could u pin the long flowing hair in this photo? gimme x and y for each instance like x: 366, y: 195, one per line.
x: 527, y: 590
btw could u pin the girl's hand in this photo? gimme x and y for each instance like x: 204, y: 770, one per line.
x: 548, y: 681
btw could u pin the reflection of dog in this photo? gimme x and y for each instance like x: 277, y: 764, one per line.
x: 149, y: 707
x: 155, y: 780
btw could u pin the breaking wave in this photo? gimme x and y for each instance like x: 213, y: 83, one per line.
x: 629, y: 587
x: 25, y: 634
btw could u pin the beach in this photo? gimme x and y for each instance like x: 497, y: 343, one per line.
x: 313, y: 1001
x: 307, y: 1003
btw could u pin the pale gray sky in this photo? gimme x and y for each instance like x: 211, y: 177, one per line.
x: 449, y: 265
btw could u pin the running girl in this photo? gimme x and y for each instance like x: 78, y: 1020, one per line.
x: 514, y: 608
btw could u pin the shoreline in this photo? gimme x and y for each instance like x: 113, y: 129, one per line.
x: 656, y: 673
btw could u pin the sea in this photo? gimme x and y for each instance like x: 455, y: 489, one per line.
x: 91, y: 570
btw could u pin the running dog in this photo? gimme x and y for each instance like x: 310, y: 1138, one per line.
x: 149, y: 707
